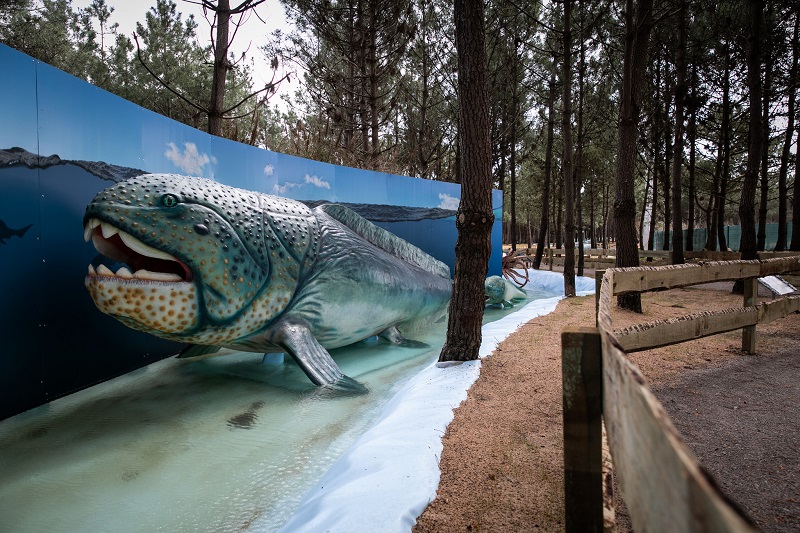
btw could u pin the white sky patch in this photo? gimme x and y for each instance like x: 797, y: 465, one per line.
x: 191, y: 161
x: 282, y: 189
x: 316, y: 181
x: 269, y: 170
x: 448, y: 202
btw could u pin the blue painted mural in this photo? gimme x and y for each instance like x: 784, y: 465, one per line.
x: 63, y: 140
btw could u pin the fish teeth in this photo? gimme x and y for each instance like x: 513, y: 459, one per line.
x: 108, y: 230
x: 89, y: 229
x: 130, y: 241
x: 155, y: 276
x: 92, y: 271
x: 124, y: 272
x: 103, y: 270
x: 138, y: 246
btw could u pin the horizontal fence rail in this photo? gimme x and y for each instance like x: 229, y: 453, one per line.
x: 662, y: 482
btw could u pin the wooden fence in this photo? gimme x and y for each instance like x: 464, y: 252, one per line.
x: 662, y: 482
x: 598, y: 258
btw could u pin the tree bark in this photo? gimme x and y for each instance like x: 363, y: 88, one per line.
x: 548, y: 168
x: 726, y: 151
x: 692, y: 132
x: 637, y: 37
x: 677, y: 158
x: 566, y: 160
x: 755, y: 144
x: 474, y: 217
x: 780, y: 245
x: 761, y: 236
x: 221, y: 67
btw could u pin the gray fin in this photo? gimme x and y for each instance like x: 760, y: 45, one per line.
x: 386, y: 240
x: 315, y: 360
x: 197, y: 350
x: 392, y: 336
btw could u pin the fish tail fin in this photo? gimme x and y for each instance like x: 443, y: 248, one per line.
x: 21, y: 232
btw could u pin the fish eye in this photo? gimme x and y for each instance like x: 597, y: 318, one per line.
x: 169, y: 200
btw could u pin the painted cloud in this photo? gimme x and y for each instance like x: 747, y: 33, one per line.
x: 191, y: 161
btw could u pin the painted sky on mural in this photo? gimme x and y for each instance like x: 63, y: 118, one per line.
x: 86, y: 123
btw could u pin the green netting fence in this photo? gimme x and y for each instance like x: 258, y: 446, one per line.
x: 733, y: 235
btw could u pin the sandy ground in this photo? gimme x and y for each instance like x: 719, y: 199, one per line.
x: 502, y: 460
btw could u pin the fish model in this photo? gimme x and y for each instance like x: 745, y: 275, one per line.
x: 215, y: 266
x: 7, y: 233
x: 500, y: 291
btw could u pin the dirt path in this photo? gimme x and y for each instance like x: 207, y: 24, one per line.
x: 502, y: 459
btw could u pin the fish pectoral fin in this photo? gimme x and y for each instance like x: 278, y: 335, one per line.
x: 392, y: 336
x: 197, y: 350
x: 296, y: 339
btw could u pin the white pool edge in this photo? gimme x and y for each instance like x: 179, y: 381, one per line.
x: 386, y: 479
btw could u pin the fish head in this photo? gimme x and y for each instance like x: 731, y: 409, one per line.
x: 205, y: 263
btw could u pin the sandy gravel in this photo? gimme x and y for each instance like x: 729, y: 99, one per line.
x: 502, y: 459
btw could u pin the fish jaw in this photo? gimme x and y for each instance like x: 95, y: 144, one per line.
x: 167, y: 309
x: 154, y: 292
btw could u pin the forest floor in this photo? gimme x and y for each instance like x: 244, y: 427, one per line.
x: 502, y: 460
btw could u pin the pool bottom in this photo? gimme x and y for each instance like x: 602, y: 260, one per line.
x: 221, y: 444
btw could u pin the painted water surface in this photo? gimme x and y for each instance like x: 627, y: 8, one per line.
x: 209, y: 445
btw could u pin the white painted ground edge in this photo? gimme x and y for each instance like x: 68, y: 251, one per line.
x: 385, y: 480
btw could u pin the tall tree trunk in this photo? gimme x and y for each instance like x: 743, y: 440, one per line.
x: 780, y: 245
x: 761, y: 236
x: 677, y: 158
x: 513, y: 158
x: 726, y: 152
x: 637, y: 36
x: 474, y: 217
x: 566, y: 160
x: 692, y: 158
x: 794, y: 245
x: 643, y: 211
x: 667, y: 177
x: 559, y: 212
x: 651, y: 237
x: 579, y: 163
x: 548, y: 168
x: 713, y: 201
x: 221, y: 68
x: 746, y: 203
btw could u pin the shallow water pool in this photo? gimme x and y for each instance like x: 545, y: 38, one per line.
x: 218, y: 444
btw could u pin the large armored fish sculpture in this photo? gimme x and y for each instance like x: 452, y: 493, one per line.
x: 215, y: 266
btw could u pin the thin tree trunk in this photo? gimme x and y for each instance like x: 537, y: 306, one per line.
x: 780, y: 245
x: 794, y: 245
x: 677, y: 160
x: 747, y: 246
x: 548, y: 168
x: 644, y: 211
x: 221, y: 67
x: 726, y: 152
x: 566, y: 160
x: 474, y: 217
x: 651, y: 237
x: 692, y: 157
x: 636, y: 41
x: 761, y: 236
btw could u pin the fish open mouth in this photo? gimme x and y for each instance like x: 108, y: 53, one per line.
x: 143, y: 262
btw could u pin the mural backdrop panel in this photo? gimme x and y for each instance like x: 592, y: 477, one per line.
x: 61, y: 141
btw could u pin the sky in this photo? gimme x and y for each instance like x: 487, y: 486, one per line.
x: 252, y: 34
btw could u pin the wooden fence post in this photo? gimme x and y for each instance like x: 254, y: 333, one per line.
x: 750, y: 299
x: 598, y: 284
x: 581, y: 372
